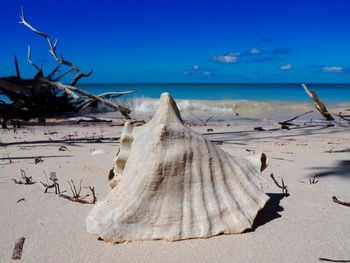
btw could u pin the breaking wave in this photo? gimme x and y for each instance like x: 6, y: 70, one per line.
x: 246, y: 108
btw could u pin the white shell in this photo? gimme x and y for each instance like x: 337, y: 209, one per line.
x: 173, y: 183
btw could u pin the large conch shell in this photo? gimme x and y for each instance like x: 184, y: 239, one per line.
x: 172, y: 183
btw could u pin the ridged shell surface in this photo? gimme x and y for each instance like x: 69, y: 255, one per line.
x: 172, y: 183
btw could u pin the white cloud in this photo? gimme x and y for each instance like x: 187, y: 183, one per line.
x: 197, y: 71
x: 286, y: 67
x: 333, y: 69
x: 227, y: 58
x: 254, y: 51
x: 206, y: 73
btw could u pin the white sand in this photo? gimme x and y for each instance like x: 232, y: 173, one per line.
x: 300, y: 228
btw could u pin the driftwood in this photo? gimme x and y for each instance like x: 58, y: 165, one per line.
x: 283, y: 186
x: 339, y: 201
x: 17, y: 251
x: 320, y: 106
x: 285, y: 124
x: 44, y: 95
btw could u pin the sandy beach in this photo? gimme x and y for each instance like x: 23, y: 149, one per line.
x: 303, y: 227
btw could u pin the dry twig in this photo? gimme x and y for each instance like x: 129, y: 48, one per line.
x: 283, y: 186
x: 339, y: 201
x: 76, y: 194
x: 25, y: 179
x: 313, y: 180
x: 287, y: 123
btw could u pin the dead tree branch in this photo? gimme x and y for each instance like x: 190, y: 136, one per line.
x: 31, y: 62
x: 320, y: 106
x: 52, y: 46
x: 124, y: 111
x: 18, y: 73
x: 339, y: 201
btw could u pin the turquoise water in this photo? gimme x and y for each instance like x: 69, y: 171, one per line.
x: 329, y: 93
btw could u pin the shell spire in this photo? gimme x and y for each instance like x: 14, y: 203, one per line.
x: 172, y: 183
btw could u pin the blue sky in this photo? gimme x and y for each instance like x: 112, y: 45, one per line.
x: 185, y: 41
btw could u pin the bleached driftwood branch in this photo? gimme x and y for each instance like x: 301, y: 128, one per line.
x: 320, y: 106
x: 70, y: 89
x: 52, y: 46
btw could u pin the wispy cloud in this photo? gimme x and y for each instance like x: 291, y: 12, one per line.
x: 333, y: 69
x: 229, y: 58
x: 253, y: 55
x: 285, y: 67
x: 329, y: 69
x: 197, y: 71
x: 254, y: 51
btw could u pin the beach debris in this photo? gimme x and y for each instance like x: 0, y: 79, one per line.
x: 333, y: 260
x: 54, y: 183
x: 259, y: 128
x: 76, y: 197
x: 51, y: 133
x: 17, y: 250
x: 38, y: 160
x: 62, y: 148
x: 285, y: 124
x: 339, y: 201
x: 91, y: 119
x: 25, y: 179
x: 20, y: 200
x: 283, y: 186
x: 172, y: 183
x: 320, y: 106
x: 204, y: 122
x: 98, y: 152
x: 313, y: 180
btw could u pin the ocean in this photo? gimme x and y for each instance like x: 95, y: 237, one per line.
x: 249, y: 100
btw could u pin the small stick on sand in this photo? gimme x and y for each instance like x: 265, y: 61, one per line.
x: 76, y: 194
x: 287, y: 123
x: 17, y: 251
x: 25, y: 179
x: 283, y: 186
x: 203, y: 122
x: 339, y: 201
x: 333, y: 260
x: 313, y: 180
x: 20, y: 200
